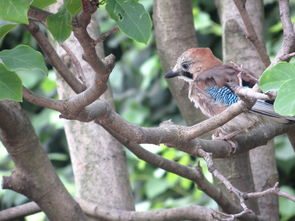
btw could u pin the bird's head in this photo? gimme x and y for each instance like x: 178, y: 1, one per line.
x: 192, y: 62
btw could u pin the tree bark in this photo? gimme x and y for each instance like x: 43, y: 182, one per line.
x: 34, y: 175
x: 99, y: 162
x: 237, y: 48
x: 174, y: 31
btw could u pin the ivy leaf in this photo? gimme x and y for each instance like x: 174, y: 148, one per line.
x: 5, y: 27
x: 59, y: 25
x: 42, y: 4
x: 14, y: 10
x: 25, y: 61
x: 131, y: 17
x: 281, y: 78
x: 10, y: 85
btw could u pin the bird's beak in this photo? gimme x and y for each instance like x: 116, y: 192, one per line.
x: 172, y: 74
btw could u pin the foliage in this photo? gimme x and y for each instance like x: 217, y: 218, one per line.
x: 14, y: 11
x: 131, y: 17
x: 281, y: 78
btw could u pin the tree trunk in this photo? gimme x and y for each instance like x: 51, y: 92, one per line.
x: 99, y: 162
x: 240, y: 50
x: 174, y: 31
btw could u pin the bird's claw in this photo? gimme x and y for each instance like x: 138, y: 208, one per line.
x: 229, y: 139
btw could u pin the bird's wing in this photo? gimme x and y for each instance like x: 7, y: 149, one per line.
x: 225, y: 75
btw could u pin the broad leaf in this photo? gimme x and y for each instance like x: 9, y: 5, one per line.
x: 42, y: 3
x: 14, y: 10
x: 285, y: 100
x: 25, y: 61
x: 10, y: 85
x: 73, y: 6
x: 5, y: 28
x: 281, y: 78
x: 132, y: 18
x: 273, y: 77
x: 59, y: 25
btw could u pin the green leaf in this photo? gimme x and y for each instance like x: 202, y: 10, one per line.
x: 59, y: 25
x: 285, y: 100
x: 5, y: 28
x: 42, y: 4
x: 281, y: 78
x: 10, y: 85
x: 14, y: 10
x: 73, y: 6
x: 273, y: 77
x: 131, y: 17
x: 25, y: 61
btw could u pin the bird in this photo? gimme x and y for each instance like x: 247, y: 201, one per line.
x: 211, y: 90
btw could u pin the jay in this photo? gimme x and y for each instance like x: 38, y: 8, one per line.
x: 210, y: 89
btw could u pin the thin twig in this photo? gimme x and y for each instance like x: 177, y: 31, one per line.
x: 287, y: 57
x: 288, y: 45
x: 104, y: 36
x: 239, y: 194
x: 75, y: 62
x: 54, y: 58
x: 208, y: 158
x: 251, y: 34
x: 232, y: 217
x: 275, y: 190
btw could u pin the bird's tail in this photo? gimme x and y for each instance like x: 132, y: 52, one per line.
x: 266, y: 109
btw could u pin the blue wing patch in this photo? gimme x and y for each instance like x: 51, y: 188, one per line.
x: 222, y: 94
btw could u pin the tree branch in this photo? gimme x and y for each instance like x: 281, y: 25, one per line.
x: 34, y: 175
x: 194, y: 174
x: 53, y: 57
x: 251, y: 34
x: 19, y: 211
x: 288, y: 45
x: 174, y: 135
x: 182, y: 213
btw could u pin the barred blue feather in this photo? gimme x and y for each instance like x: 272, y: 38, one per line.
x: 223, y: 95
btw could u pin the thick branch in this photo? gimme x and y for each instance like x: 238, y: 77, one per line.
x: 174, y: 135
x: 183, y: 213
x: 34, y: 175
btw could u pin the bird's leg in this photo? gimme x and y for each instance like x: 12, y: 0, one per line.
x: 218, y: 135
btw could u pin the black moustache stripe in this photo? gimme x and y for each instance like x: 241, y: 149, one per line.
x: 188, y: 75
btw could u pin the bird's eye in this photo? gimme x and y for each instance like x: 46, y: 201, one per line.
x: 185, y: 66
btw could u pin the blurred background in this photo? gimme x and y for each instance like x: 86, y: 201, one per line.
x: 141, y: 96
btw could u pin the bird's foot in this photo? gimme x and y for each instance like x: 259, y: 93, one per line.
x: 229, y: 139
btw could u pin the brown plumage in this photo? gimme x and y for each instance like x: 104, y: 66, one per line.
x: 208, y: 80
